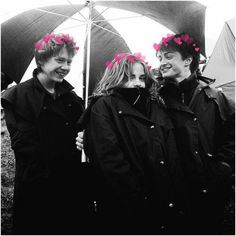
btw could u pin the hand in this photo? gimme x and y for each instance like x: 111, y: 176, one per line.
x: 80, y: 140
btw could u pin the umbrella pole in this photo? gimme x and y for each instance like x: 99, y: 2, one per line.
x: 89, y: 24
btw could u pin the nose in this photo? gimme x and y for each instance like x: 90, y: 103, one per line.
x: 138, y: 82
x: 65, y: 66
x: 162, y: 62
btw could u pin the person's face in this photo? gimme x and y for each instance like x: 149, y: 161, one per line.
x: 137, y: 78
x: 57, y: 67
x: 172, y: 65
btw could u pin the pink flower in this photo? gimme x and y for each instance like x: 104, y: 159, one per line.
x: 119, y: 56
x: 77, y: 48
x: 165, y: 41
x: 131, y: 58
x: 48, y: 37
x: 59, y: 40
x: 109, y: 64
x: 139, y: 56
x: 178, y: 41
x: 196, y: 49
x: 149, y: 67
x: 185, y: 37
x: 157, y: 47
x: 38, y: 46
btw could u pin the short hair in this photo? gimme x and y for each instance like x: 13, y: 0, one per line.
x: 184, y: 44
x: 51, y: 44
x: 118, y: 73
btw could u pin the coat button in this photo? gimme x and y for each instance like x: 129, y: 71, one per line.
x: 204, y: 191
x: 152, y: 126
x: 67, y: 123
x: 181, y: 212
x: 145, y: 198
x: 209, y: 154
x: 195, y: 119
x: 196, y: 152
x: 120, y: 112
x: 44, y: 108
x: 162, y: 162
x: 163, y: 227
x: 171, y: 205
x: 69, y: 105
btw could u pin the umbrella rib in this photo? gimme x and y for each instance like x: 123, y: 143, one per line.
x: 122, y: 18
x: 58, y: 14
x: 106, y: 29
x: 72, y: 27
x: 100, y: 14
x: 77, y: 10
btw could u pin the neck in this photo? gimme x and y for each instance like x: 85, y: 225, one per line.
x: 183, y: 76
x: 46, y: 83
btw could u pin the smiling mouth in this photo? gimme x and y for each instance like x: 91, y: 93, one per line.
x: 61, y: 74
x: 165, y: 69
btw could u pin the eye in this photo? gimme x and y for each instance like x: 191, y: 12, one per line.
x: 142, y: 77
x: 59, y: 60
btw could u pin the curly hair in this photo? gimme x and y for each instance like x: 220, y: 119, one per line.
x: 116, y: 76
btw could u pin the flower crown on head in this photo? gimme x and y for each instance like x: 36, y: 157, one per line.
x: 184, y: 38
x: 55, y: 39
x: 130, y: 57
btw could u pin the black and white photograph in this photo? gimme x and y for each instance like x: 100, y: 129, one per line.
x: 117, y: 117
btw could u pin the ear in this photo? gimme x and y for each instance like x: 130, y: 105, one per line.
x: 188, y: 61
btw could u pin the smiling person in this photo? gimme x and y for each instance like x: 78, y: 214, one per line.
x: 204, y: 121
x: 41, y: 115
x: 130, y: 145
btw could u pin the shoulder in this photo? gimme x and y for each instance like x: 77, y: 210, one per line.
x: 16, y: 92
x: 226, y: 106
x: 102, y: 103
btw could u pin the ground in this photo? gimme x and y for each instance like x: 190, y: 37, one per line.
x: 7, y: 176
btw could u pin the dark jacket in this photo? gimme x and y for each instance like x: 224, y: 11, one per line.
x: 205, y: 134
x: 48, y: 165
x: 136, y: 164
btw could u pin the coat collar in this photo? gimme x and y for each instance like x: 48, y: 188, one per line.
x: 124, y: 108
x: 38, y: 92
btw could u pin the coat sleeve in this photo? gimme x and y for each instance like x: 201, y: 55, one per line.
x: 226, y: 150
x: 105, y: 153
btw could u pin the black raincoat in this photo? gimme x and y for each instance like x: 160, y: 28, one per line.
x: 138, y: 177
x: 204, y: 122
x: 48, y: 194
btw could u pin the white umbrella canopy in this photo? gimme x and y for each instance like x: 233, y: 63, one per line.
x: 28, y: 27
x: 139, y: 38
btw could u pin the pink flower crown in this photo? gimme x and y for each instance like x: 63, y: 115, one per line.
x: 184, y: 38
x: 55, y: 39
x: 118, y: 57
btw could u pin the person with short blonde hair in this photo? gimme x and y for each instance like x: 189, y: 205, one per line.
x: 41, y: 115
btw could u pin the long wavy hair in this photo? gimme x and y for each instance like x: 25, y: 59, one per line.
x: 119, y: 73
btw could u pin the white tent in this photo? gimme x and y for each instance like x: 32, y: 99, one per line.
x: 221, y: 65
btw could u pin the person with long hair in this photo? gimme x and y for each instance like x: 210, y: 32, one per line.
x: 129, y: 142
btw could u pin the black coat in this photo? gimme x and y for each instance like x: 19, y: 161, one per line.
x: 138, y: 175
x: 205, y: 134
x: 48, y: 166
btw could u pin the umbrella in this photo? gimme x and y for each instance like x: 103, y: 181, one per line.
x: 103, y: 41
